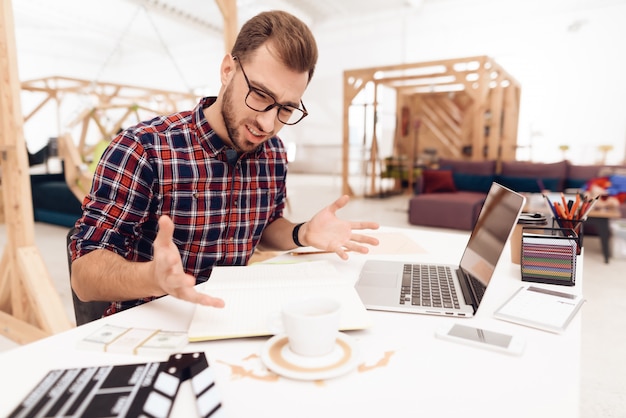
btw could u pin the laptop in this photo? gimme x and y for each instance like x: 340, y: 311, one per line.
x: 404, y: 286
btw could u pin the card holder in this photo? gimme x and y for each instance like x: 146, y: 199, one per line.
x: 549, y: 255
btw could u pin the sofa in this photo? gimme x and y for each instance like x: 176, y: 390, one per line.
x: 53, y: 201
x: 452, y: 195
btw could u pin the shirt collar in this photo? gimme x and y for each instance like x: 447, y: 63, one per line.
x: 208, y: 136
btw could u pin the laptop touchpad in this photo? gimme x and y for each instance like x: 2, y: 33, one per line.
x: 379, y: 279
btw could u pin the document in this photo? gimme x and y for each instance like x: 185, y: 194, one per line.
x: 537, y: 307
x: 254, y: 296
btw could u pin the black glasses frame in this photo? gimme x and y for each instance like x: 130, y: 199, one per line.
x: 280, y: 106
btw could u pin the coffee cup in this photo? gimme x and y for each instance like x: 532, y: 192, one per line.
x: 311, y: 325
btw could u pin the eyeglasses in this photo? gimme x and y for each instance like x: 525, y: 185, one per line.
x: 260, y: 101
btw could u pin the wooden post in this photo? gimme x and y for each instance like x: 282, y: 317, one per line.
x: 30, y: 307
x: 494, y: 141
x: 228, y: 8
x: 374, y: 152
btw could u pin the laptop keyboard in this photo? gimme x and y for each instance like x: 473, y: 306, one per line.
x: 428, y: 285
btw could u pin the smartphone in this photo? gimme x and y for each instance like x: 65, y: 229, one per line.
x: 483, y: 338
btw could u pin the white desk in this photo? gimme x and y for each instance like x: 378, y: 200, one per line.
x: 402, y: 360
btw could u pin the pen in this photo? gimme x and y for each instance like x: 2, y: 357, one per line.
x: 294, y: 253
x: 542, y: 187
x: 551, y: 206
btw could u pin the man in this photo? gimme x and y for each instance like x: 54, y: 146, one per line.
x: 177, y: 195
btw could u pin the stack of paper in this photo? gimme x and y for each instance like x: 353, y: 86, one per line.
x: 116, y: 339
x: 541, y: 308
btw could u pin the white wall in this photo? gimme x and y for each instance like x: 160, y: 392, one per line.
x: 568, y: 56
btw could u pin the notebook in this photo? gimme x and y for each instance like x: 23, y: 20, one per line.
x: 394, y: 285
x: 254, y: 296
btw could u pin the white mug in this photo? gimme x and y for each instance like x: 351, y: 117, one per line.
x: 311, y: 325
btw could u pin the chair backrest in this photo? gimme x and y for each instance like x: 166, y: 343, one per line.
x: 83, y: 311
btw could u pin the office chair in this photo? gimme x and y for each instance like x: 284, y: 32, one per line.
x: 83, y: 311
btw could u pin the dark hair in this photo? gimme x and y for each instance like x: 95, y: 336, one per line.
x: 291, y: 38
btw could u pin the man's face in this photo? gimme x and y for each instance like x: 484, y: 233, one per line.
x: 247, y: 128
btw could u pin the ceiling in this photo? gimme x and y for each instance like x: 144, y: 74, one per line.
x: 115, y: 40
x: 174, y: 45
x: 311, y: 11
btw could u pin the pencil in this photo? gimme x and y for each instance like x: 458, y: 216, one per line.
x: 590, y: 207
x: 575, y: 206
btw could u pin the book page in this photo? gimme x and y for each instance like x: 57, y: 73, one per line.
x: 254, y: 296
x: 259, y: 275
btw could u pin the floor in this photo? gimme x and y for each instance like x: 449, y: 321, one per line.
x: 603, y: 387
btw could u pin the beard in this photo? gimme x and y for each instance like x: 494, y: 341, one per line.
x: 239, y: 143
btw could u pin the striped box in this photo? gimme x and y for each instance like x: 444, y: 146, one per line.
x: 549, y: 256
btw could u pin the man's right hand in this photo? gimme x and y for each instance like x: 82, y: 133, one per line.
x: 169, y: 272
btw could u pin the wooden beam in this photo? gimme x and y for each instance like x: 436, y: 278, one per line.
x: 228, y: 8
x: 345, y: 149
x: 5, y: 283
x: 76, y: 176
x: 106, y: 91
x: 19, y: 331
x: 39, y: 106
x: 20, y: 251
x: 49, y: 311
x: 13, y: 157
x: 511, y: 121
x: 494, y: 141
x: 411, y: 66
x: 374, y: 149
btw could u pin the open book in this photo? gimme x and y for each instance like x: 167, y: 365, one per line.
x: 254, y: 296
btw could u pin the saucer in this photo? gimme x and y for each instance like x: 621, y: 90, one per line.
x: 278, y: 357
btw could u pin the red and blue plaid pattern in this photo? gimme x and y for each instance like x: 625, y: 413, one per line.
x: 176, y: 165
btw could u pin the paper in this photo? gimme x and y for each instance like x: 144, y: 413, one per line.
x: 116, y: 339
x: 540, y: 308
x: 254, y: 296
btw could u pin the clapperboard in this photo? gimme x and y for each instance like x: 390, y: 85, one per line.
x: 131, y: 390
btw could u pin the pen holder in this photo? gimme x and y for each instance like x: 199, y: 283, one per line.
x: 575, y: 225
x: 549, y: 256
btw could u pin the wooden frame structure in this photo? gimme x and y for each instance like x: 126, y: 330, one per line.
x: 30, y: 307
x: 114, y: 105
x: 460, y: 108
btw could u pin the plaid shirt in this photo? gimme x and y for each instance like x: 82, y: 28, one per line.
x: 176, y: 165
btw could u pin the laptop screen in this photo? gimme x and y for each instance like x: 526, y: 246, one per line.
x: 497, y: 218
